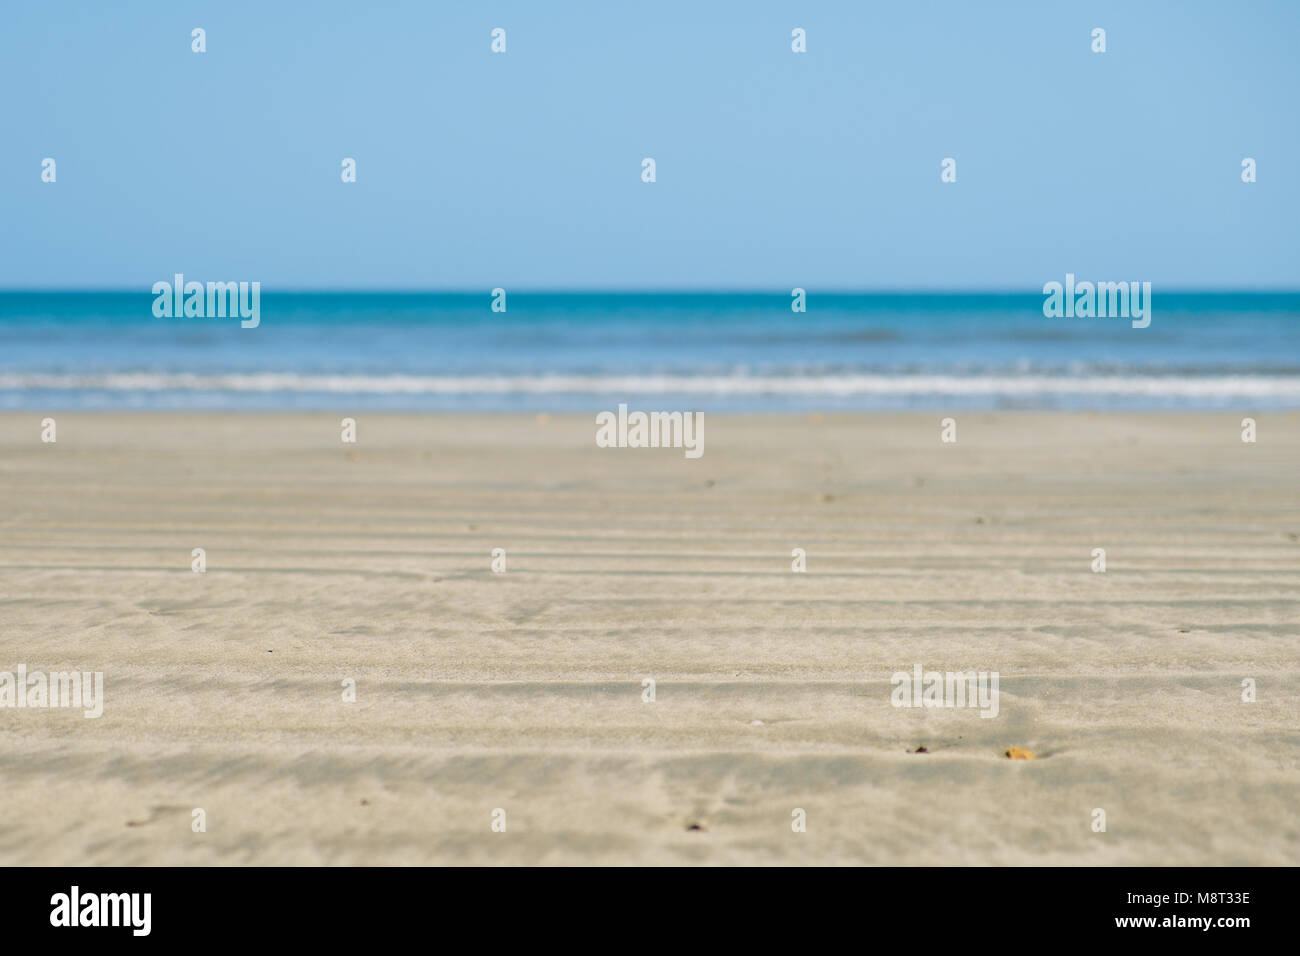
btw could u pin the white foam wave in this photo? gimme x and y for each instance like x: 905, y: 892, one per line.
x: 1153, y: 386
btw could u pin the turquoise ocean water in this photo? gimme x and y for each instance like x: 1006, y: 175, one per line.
x: 589, y: 351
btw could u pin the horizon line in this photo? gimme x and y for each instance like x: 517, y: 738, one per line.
x: 651, y: 291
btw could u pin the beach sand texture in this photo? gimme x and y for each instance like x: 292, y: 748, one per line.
x: 523, y: 690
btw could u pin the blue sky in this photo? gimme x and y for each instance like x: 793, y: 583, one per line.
x: 774, y: 169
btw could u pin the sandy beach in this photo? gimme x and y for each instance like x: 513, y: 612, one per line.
x: 523, y: 691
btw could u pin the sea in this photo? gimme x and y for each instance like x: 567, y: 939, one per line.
x: 710, y: 351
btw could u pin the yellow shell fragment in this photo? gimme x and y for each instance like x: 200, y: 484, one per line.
x: 1017, y: 753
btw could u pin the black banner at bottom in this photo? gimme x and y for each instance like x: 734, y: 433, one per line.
x: 333, y: 905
